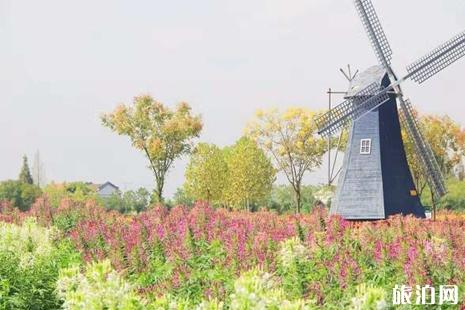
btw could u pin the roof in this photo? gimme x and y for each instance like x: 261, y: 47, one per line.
x: 374, y: 74
x: 107, y: 183
x: 98, y: 187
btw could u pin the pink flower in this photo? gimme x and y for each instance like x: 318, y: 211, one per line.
x: 378, y: 251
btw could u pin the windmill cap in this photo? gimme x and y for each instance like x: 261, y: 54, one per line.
x: 372, y: 75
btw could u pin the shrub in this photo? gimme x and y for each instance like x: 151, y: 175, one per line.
x: 76, y: 191
x: 20, y: 195
x: 292, y: 259
x: 30, y: 258
x: 259, y: 290
x: 455, y: 198
x: 283, y: 198
x: 369, y: 298
x: 100, y: 287
x: 128, y: 202
x: 180, y: 197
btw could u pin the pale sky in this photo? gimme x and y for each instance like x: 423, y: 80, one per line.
x: 63, y: 63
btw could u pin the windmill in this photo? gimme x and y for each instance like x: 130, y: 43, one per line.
x: 376, y: 181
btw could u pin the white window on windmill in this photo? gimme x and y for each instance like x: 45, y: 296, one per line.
x: 365, y: 146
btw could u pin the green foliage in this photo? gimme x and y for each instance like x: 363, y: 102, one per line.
x: 282, y: 198
x: 256, y: 289
x: 25, y: 174
x: 251, y: 174
x: 369, y: 298
x: 30, y: 258
x: 206, y: 174
x: 137, y: 201
x: 158, y: 268
x: 207, y: 271
x: 21, y: 195
x: 455, y: 197
x: 181, y: 198
x: 292, y: 258
x: 129, y: 201
x: 76, y: 191
x: 100, y: 287
x: 160, y: 133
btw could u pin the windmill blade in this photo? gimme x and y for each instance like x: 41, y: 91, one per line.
x: 375, y: 32
x: 439, y: 59
x: 358, y: 105
x: 423, y: 150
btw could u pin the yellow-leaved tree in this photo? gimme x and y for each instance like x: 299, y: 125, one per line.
x: 291, y: 139
x: 250, y: 175
x: 206, y: 174
x: 161, y: 133
x: 447, y: 140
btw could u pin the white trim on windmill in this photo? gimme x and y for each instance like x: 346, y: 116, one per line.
x: 365, y: 146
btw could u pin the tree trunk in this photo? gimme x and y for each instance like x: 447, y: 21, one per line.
x: 298, y: 199
x: 159, y: 191
x: 434, y: 205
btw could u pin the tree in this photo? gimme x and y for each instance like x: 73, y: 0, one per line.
x: 180, y: 197
x: 283, y: 198
x: 38, y: 170
x: 291, y: 139
x: 129, y: 201
x: 251, y: 174
x: 206, y: 174
x: 21, y: 195
x: 25, y: 174
x: 161, y: 134
x: 137, y: 201
x: 447, y: 140
x: 115, y: 202
x: 76, y: 191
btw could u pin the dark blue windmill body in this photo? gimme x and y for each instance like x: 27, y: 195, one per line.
x: 375, y: 180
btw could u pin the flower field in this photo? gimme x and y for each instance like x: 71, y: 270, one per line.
x: 79, y: 256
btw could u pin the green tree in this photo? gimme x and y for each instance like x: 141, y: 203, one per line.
x: 160, y: 133
x: 138, y: 200
x: 282, y: 198
x: 129, y: 201
x: 76, y: 191
x: 20, y: 195
x: 251, y: 174
x: 180, y: 197
x: 115, y: 202
x: 25, y: 174
x: 206, y: 174
x: 291, y: 139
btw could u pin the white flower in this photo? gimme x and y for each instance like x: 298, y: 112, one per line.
x: 292, y: 250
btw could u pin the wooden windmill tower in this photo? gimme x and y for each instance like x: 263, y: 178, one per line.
x: 375, y: 181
